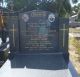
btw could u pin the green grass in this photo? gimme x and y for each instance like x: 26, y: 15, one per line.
x: 75, y: 43
x: 74, y: 30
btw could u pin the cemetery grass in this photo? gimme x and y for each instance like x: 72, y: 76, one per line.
x: 74, y: 30
x: 74, y: 49
x: 76, y: 43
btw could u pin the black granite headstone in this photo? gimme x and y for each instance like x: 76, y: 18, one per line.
x: 38, y: 31
x: 41, y: 33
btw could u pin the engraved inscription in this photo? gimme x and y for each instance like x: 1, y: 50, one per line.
x: 39, y: 34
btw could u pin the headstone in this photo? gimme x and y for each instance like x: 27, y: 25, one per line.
x: 39, y: 32
x: 39, y: 43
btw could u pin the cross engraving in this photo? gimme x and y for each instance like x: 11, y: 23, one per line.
x: 2, y: 20
x: 64, y: 31
x: 13, y: 31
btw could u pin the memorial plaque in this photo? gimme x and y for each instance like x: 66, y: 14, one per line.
x: 38, y: 32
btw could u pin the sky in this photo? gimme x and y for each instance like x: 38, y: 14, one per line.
x: 74, y: 4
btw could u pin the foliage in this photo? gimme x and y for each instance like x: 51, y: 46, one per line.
x: 76, y: 9
x: 65, y: 7
x: 61, y: 6
x: 74, y: 1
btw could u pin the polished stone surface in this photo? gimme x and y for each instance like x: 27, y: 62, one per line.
x: 35, y: 67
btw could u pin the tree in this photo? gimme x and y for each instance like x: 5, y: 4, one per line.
x: 63, y: 7
x: 76, y: 11
x: 74, y: 1
x: 75, y: 8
